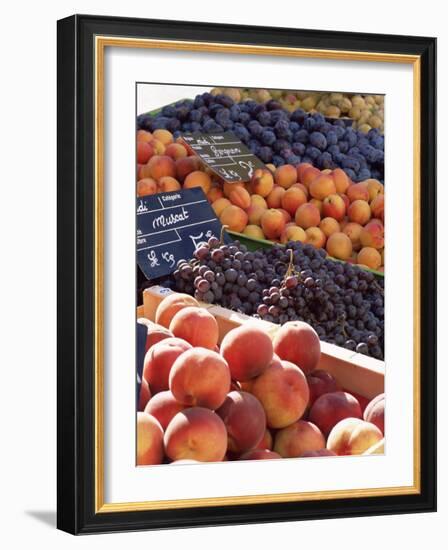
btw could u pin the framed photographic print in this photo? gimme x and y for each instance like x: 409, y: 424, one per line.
x: 246, y: 274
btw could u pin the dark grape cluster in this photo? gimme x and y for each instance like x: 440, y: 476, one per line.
x: 344, y: 303
x: 275, y: 135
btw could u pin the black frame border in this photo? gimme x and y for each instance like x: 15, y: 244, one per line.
x: 75, y: 272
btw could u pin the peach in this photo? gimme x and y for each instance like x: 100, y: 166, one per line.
x: 198, y: 179
x: 185, y: 166
x: 240, y: 197
x: 352, y: 436
x: 261, y: 182
x: 333, y: 206
x: 285, y: 176
x: 274, y: 199
x: 163, y: 407
x: 196, y: 433
x: 304, y: 188
x: 319, y: 383
x: 214, y: 194
x: 258, y: 200
x: 163, y: 136
x: 329, y: 226
x: 307, y: 215
x: 309, y: 175
x: 341, y: 180
x: 254, y: 231
x: 374, y: 187
x: 234, y: 217
x: 161, y: 165
x: 144, y: 395
x: 245, y: 420
x: 345, y: 199
x: 357, y: 191
x: 149, y: 440
x: 159, y: 147
x: 247, y: 361
x: 359, y: 211
x: 144, y: 152
x: 144, y: 135
x: 339, y: 246
x: 330, y: 408
x: 286, y: 215
x: 283, y: 391
x: 292, y: 199
x: 374, y: 412
x: 315, y: 236
x: 300, y: 437
x: 369, y: 257
x: 176, y: 151
x: 372, y: 234
x: 146, y: 186
x: 159, y: 360
x: 167, y: 183
x: 156, y: 333
x: 219, y: 205
x: 301, y: 168
x: 353, y: 232
x: 170, y: 305
x: 254, y: 213
x: 318, y: 453
x: 322, y: 187
x: 200, y: 377
x: 377, y: 207
x: 259, y: 454
x: 229, y: 186
x: 197, y: 326
x: 273, y: 223
x: 293, y: 233
x: 266, y: 441
x: 298, y: 343
x: 318, y: 204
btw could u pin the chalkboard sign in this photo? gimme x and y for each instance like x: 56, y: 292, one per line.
x: 225, y: 154
x: 170, y: 226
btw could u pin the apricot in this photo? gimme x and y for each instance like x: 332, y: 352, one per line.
x: 163, y: 136
x: 229, y: 186
x: 247, y: 361
x: 146, y: 186
x: 318, y: 204
x: 159, y: 147
x: 274, y: 199
x: 258, y: 200
x: 285, y: 176
x: 353, y: 232
x: 374, y: 412
x: 214, y: 194
x: 341, y: 180
x: 301, y: 168
x: 167, y: 183
x: 149, y: 440
x: 329, y: 226
x: 144, y: 135
x: 234, y: 217
x: 293, y: 198
x: 197, y: 326
x: 161, y: 165
x: 315, y: 236
x: 259, y: 454
x: 273, y: 223
x: 283, y: 391
x: 372, y: 234
x: 357, y: 191
x: 300, y: 437
x: 307, y: 215
x: 319, y: 383
x: 159, y: 360
x: 219, y: 205
x: 185, y: 166
x: 144, y: 395
x: 176, y: 151
x: 254, y: 231
x: 346, y: 200
x: 254, y: 213
x: 163, y: 407
x: 170, y: 305
x: 144, y: 152
x: 369, y: 257
x: 198, y: 179
x: 200, y: 377
x: 245, y: 420
x: 375, y: 188
x: 352, y: 436
x: 377, y: 207
x: 339, y: 246
x: 322, y: 187
x: 240, y: 197
x: 330, y: 408
x: 286, y: 215
x: 298, y: 343
x: 333, y: 206
x: 293, y: 233
x: 309, y: 175
x: 196, y: 433
x: 261, y: 182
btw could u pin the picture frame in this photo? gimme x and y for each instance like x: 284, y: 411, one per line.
x: 82, y: 42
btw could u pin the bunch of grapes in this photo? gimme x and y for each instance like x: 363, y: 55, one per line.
x: 344, y: 303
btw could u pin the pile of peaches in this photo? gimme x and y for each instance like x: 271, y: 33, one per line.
x: 251, y: 398
x: 289, y: 203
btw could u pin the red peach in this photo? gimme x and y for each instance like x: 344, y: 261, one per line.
x: 374, y: 412
x: 149, y: 440
x: 330, y: 408
x: 197, y: 326
x: 259, y: 454
x: 164, y: 406
x: 170, y: 305
x: 319, y: 383
x: 298, y: 438
x: 144, y: 396
x: 352, y: 436
x: 298, y: 343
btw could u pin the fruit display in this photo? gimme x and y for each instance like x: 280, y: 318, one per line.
x: 236, y: 401
x: 272, y: 133
x: 343, y: 303
x: 366, y: 111
x: 285, y: 203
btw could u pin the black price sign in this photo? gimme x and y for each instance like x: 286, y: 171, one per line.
x: 225, y: 154
x: 170, y: 226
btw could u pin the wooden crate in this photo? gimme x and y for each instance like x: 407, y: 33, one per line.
x: 354, y: 372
